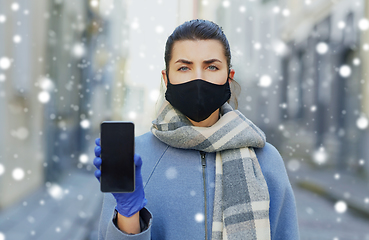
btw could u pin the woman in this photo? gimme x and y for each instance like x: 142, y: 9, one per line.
x: 207, y: 170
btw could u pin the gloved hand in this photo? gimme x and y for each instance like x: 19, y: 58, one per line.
x: 127, y: 203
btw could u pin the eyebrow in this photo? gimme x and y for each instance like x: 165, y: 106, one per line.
x: 212, y: 60
x: 206, y: 61
x: 183, y: 61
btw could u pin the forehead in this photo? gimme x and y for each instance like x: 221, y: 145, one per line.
x: 198, y: 50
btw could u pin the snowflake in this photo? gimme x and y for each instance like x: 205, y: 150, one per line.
x: 2, y: 169
x: 44, y: 97
x: 363, y: 24
x: 199, y: 217
x: 340, y: 206
x: 18, y: 174
x: 362, y: 122
x: 345, y: 71
x: 5, y: 63
x: 322, y: 48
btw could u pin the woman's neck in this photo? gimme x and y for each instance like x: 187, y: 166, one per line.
x: 213, y: 118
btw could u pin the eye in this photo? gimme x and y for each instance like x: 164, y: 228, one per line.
x: 184, y: 68
x: 213, y: 68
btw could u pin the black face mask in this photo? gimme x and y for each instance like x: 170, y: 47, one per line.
x: 197, y: 99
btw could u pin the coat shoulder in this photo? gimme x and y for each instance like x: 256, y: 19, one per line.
x: 272, y: 164
x: 282, y: 211
x: 148, y: 142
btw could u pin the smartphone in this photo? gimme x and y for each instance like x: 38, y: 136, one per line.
x: 117, y: 152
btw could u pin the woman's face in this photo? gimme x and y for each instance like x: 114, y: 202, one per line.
x: 198, y: 59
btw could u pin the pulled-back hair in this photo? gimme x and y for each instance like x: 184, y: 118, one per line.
x: 197, y: 29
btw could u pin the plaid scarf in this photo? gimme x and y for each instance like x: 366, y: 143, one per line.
x: 241, y: 201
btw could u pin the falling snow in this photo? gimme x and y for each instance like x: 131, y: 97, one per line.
x: 340, y: 206
x: 154, y: 95
x: 17, y: 39
x: 5, y: 63
x: 322, y: 48
x: 320, y: 156
x: 345, y: 71
x: 341, y: 24
x: 83, y: 158
x: 78, y: 50
x: 293, y: 165
x: 171, y: 173
x: 362, y: 122
x: 55, y: 191
x: 20, y: 133
x: 2, y: 18
x: 356, y: 61
x: 199, y: 217
x: 18, y: 174
x: 265, y: 81
x: 85, y: 123
x: 46, y: 84
x: 44, y: 97
x: 306, y: 87
x: 363, y: 24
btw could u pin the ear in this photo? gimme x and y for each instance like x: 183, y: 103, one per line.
x: 164, y: 76
x: 231, y: 74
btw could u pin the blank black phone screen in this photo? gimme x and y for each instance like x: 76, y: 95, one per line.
x: 117, y: 152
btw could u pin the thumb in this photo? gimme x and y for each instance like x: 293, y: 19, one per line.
x: 138, y: 161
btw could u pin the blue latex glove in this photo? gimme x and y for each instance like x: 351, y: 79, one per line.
x: 127, y: 203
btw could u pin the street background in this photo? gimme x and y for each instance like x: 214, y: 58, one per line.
x: 67, y: 65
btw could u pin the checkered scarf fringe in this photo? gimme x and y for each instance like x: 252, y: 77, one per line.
x: 241, y: 201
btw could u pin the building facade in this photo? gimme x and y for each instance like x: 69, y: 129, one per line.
x: 22, y: 30
x: 325, y: 85
x: 61, y: 64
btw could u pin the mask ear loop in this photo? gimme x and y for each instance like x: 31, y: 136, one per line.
x: 166, y: 73
x: 229, y: 71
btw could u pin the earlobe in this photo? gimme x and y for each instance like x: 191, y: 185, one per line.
x: 164, y: 76
x: 231, y: 75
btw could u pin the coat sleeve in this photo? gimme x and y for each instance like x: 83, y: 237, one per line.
x: 282, y: 210
x: 107, y: 228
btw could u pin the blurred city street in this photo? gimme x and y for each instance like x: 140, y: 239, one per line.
x: 319, y: 220
x: 69, y: 210
x: 323, y: 210
x: 66, y: 66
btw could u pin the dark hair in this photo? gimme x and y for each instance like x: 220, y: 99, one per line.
x: 197, y: 29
